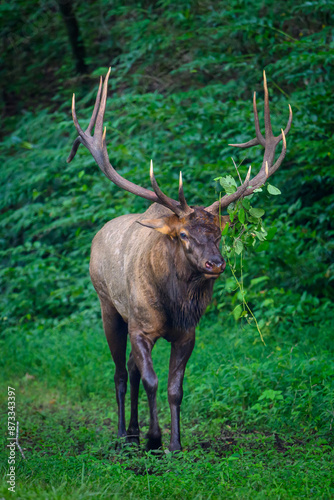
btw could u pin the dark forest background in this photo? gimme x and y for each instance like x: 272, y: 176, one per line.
x: 181, y: 84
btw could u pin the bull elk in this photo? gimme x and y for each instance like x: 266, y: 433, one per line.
x: 154, y: 272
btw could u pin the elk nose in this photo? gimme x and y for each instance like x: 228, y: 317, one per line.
x: 215, y: 264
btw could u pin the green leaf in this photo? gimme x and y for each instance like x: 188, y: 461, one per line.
x: 263, y: 231
x: 237, y: 312
x: 241, y: 215
x: 256, y: 212
x: 228, y: 184
x: 271, y: 394
x: 225, y: 230
x: 273, y: 190
x: 246, y: 203
x: 35, y: 194
x: 261, y: 236
x: 262, y: 247
x: 27, y: 145
x: 101, y: 71
x: 255, y: 281
x: 271, y: 233
x: 238, y: 247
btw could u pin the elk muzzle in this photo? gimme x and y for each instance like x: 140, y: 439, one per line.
x: 214, y: 266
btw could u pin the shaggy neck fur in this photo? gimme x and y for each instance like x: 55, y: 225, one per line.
x: 185, y: 294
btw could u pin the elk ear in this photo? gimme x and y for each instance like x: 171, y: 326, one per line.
x: 165, y: 225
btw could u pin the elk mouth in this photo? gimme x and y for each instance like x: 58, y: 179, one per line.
x: 212, y: 276
x: 213, y: 270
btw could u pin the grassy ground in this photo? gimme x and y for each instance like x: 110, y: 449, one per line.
x: 256, y: 420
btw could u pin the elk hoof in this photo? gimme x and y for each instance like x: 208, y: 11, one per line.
x: 133, y: 436
x: 153, y: 443
x: 175, y: 447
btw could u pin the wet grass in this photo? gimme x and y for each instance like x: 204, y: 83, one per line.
x: 256, y: 421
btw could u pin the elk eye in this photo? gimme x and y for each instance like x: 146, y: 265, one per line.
x: 183, y: 236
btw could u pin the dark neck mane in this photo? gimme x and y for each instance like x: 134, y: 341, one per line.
x: 185, y: 300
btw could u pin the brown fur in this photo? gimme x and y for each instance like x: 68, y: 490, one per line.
x: 154, y: 272
x: 153, y: 284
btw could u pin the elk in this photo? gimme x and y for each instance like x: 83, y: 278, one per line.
x: 154, y: 272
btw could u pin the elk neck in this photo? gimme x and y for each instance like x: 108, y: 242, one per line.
x: 184, y: 292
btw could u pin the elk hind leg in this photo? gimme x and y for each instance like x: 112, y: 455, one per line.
x: 116, y: 330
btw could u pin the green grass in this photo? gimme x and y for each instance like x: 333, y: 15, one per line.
x: 256, y: 420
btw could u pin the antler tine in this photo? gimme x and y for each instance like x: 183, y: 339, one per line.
x: 248, y: 144
x: 267, y: 121
x: 75, y: 119
x: 259, y: 139
x: 281, y: 157
x: 90, y: 127
x: 100, y: 115
x: 103, y: 142
x: 173, y: 205
x: 287, y: 128
x: 74, y: 149
x: 259, y: 136
x: 184, y: 205
x: 96, y: 108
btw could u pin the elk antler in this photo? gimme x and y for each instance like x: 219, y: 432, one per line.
x: 96, y: 145
x: 269, y: 142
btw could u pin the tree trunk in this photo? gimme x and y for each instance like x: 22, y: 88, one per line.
x: 78, y: 48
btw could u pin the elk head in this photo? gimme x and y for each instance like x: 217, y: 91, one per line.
x: 197, y: 234
x: 197, y: 230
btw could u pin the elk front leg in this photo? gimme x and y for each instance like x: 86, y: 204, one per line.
x: 116, y: 333
x: 142, y: 346
x: 134, y: 375
x: 180, y: 353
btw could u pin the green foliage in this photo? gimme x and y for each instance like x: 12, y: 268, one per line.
x: 246, y: 226
x: 180, y: 91
x: 252, y: 417
x: 244, y: 229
